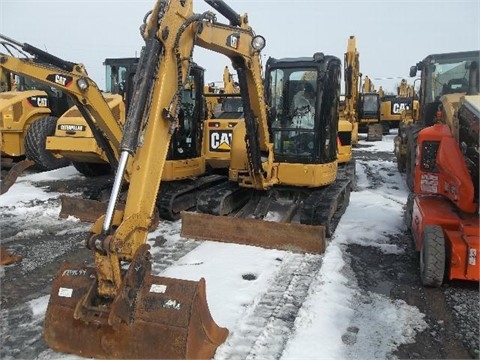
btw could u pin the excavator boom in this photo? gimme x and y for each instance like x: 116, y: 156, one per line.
x: 119, y: 309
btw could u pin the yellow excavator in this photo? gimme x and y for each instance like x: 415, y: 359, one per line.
x: 118, y: 309
x: 369, y: 111
x: 89, y: 135
x: 352, y: 82
x: 284, y: 190
x: 393, y: 107
x: 226, y: 111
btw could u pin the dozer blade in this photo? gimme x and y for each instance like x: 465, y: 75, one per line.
x: 268, y: 234
x: 7, y: 258
x: 13, y: 174
x: 151, y: 318
x: 84, y: 209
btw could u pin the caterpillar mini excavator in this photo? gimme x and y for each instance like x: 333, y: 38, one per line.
x: 284, y: 190
x: 442, y: 212
x: 118, y: 309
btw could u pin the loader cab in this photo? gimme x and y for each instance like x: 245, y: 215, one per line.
x: 303, y: 97
x: 442, y: 74
x: 119, y: 75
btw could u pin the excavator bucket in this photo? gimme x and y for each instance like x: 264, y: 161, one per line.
x: 268, y: 234
x: 7, y: 258
x: 13, y: 174
x: 151, y: 316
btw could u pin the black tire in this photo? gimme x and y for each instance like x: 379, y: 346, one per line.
x: 92, y: 169
x: 432, y: 256
x: 35, y: 140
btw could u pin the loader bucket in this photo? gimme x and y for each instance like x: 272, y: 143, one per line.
x: 84, y: 209
x: 268, y: 234
x: 7, y: 258
x: 165, y: 318
x: 13, y: 174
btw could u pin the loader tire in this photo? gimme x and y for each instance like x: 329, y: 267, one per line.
x: 92, y: 169
x: 432, y: 256
x: 412, y: 136
x: 35, y: 140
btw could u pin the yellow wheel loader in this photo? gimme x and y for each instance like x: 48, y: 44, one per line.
x: 74, y: 139
x: 23, y: 101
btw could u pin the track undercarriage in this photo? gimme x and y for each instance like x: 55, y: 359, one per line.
x: 284, y: 217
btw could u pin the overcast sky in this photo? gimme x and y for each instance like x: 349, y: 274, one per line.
x: 391, y: 35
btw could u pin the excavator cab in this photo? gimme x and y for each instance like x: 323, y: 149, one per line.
x: 302, y: 131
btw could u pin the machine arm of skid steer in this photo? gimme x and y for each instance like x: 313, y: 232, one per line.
x: 73, y: 80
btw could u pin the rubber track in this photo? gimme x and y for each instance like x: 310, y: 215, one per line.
x: 173, y: 193
x: 219, y: 200
x: 326, y: 206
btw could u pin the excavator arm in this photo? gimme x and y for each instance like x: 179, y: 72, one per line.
x: 352, y: 75
x: 73, y: 80
x: 121, y: 282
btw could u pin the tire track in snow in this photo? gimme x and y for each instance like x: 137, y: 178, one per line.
x: 264, y: 330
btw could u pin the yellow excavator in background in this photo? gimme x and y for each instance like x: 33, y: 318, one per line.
x: 226, y: 111
x: 352, y: 83
x: 393, y: 107
x: 118, y: 309
x: 369, y: 111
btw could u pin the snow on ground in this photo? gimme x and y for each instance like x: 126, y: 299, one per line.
x: 336, y: 321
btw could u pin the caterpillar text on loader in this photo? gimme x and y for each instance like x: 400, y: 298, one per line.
x: 284, y: 190
x: 443, y: 210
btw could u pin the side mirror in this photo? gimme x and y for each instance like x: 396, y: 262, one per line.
x: 413, y: 71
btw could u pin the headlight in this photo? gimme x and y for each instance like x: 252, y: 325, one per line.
x: 258, y: 42
x: 82, y: 84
